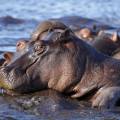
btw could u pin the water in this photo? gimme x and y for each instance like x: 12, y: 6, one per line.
x: 28, y: 14
x: 43, y: 9
x: 33, y: 11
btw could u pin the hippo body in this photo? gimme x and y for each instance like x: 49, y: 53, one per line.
x: 108, y: 44
x: 104, y: 45
x: 64, y: 63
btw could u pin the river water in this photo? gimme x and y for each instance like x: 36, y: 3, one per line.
x: 33, y: 11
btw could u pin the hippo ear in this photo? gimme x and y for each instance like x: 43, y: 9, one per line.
x: 114, y: 37
x: 21, y: 45
x: 8, y: 56
x: 65, y: 35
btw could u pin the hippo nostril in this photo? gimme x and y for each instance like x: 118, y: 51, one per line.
x: 37, y: 48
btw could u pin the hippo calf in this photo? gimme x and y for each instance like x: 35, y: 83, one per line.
x: 67, y: 64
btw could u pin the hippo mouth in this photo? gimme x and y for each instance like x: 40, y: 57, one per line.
x: 15, y: 75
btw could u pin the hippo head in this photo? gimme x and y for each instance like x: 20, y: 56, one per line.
x: 45, y: 28
x: 21, y: 48
x: 53, y: 62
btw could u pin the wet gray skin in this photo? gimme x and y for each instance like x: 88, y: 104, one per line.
x: 9, y: 57
x: 45, y: 28
x: 64, y: 63
x: 106, y: 45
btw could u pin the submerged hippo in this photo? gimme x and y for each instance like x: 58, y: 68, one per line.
x: 103, y: 42
x: 46, y: 27
x: 64, y: 63
x: 108, y: 44
x: 21, y: 48
x: 87, y: 34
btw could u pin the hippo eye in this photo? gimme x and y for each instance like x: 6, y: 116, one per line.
x: 39, y: 48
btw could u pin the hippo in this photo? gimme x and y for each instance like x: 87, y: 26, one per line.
x: 84, y: 33
x: 9, y: 57
x: 46, y: 27
x: 66, y: 64
x: 21, y: 48
x: 87, y: 34
x: 106, y: 43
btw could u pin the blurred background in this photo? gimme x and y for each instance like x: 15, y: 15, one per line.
x: 18, y: 18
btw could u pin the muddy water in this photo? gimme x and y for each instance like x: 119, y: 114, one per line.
x: 50, y: 105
